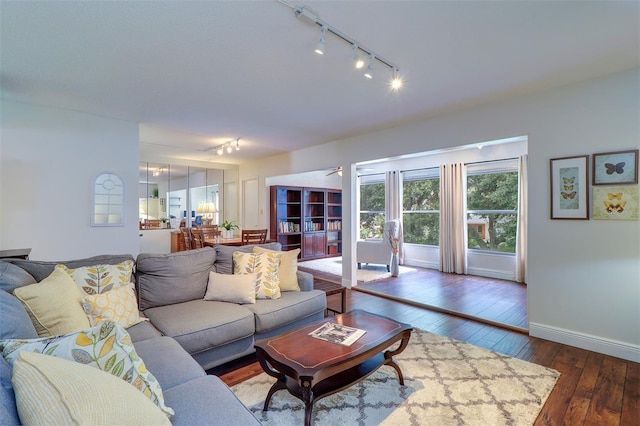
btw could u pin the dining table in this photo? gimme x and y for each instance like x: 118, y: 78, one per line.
x: 210, y: 242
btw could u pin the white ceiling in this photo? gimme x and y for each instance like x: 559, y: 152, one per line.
x: 196, y: 74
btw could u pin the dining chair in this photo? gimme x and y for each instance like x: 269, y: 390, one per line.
x: 186, y: 237
x: 209, y: 232
x: 198, y: 238
x: 254, y: 236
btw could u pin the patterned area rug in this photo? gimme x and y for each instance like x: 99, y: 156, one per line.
x: 333, y: 265
x: 446, y: 383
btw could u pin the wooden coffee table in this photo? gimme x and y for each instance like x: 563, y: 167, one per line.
x: 311, y: 369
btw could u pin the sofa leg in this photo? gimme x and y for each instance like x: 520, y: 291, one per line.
x: 359, y: 265
x: 388, y: 270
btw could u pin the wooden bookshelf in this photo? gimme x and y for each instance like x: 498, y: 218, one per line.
x: 307, y: 218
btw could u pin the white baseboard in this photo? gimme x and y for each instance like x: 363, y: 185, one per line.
x: 491, y: 273
x: 479, y: 272
x: 601, y: 345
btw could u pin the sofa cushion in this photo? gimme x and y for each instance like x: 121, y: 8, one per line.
x: 54, y: 304
x: 224, y: 255
x: 8, y: 409
x: 288, y: 268
x: 231, y: 288
x: 96, y: 279
x: 208, y: 400
x: 292, y: 306
x: 165, y: 279
x: 159, y: 353
x: 118, y: 305
x: 266, y: 266
x: 107, y: 347
x: 42, y: 269
x: 52, y: 390
x: 15, y: 321
x: 199, y: 325
x: 13, y: 276
x: 143, y: 331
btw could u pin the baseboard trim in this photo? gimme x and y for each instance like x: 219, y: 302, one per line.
x: 491, y: 273
x: 601, y: 345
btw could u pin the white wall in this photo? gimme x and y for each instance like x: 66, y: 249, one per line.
x: 48, y: 159
x: 584, y: 276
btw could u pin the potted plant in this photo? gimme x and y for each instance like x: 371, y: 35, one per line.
x: 228, y: 227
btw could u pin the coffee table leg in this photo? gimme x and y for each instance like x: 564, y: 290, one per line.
x: 388, y: 355
x: 275, y: 388
x: 308, y: 401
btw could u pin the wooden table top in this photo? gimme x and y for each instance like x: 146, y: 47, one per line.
x: 236, y: 241
x: 299, y: 354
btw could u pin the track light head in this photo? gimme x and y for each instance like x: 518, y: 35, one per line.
x: 369, y: 71
x: 229, y: 148
x: 220, y: 151
x: 238, y: 144
x: 322, y: 43
x: 358, y: 62
x: 396, y: 81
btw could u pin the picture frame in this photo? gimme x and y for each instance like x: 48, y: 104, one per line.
x: 615, y: 168
x: 616, y: 202
x: 569, y: 187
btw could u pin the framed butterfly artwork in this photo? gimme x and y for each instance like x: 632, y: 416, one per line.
x: 570, y: 187
x: 615, y: 168
x: 616, y: 202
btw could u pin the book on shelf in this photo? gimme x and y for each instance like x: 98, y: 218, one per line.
x: 337, y: 333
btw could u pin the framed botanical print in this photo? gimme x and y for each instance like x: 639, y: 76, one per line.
x: 615, y: 168
x: 616, y: 202
x: 570, y: 187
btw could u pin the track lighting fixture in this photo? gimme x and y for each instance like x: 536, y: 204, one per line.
x: 310, y: 16
x: 227, y: 146
x: 396, y: 81
x: 369, y: 71
x: 322, y: 43
x: 358, y: 62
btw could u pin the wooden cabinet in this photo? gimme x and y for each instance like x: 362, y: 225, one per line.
x: 307, y: 218
x: 177, y: 242
x: 315, y: 244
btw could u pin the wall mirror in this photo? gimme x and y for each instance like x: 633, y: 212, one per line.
x: 173, y: 196
x: 108, y: 200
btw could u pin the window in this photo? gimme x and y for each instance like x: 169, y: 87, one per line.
x: 492, y: 203
x: 372, y: 192
x: 421, y: 206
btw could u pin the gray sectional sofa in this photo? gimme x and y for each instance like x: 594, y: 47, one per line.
x: 185, y: 334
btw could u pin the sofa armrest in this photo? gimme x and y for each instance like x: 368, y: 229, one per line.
x: 305, y: 280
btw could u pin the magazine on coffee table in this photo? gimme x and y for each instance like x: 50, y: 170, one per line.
x: 337, y: 333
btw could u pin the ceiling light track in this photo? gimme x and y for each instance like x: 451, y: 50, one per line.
x: 305, y: 13
x: 229, y: 147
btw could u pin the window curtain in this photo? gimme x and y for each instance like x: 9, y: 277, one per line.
x: 393, y: 206
x: 521, y: 230
x: 453, y: 222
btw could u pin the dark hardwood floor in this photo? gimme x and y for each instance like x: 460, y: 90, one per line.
x: 593, y: 389
x: 493, y: 301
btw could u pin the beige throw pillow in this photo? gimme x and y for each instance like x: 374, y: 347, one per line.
x: 231, y: 288
x: 55, y: 391
x: 54, y: 305
x: 266, y: 266
x: 288, y: 268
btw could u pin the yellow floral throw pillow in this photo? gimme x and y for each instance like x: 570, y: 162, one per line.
x: 107, y: 347
x: 118, y: 305
x: 100, y: 278
x: 266, y: 266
